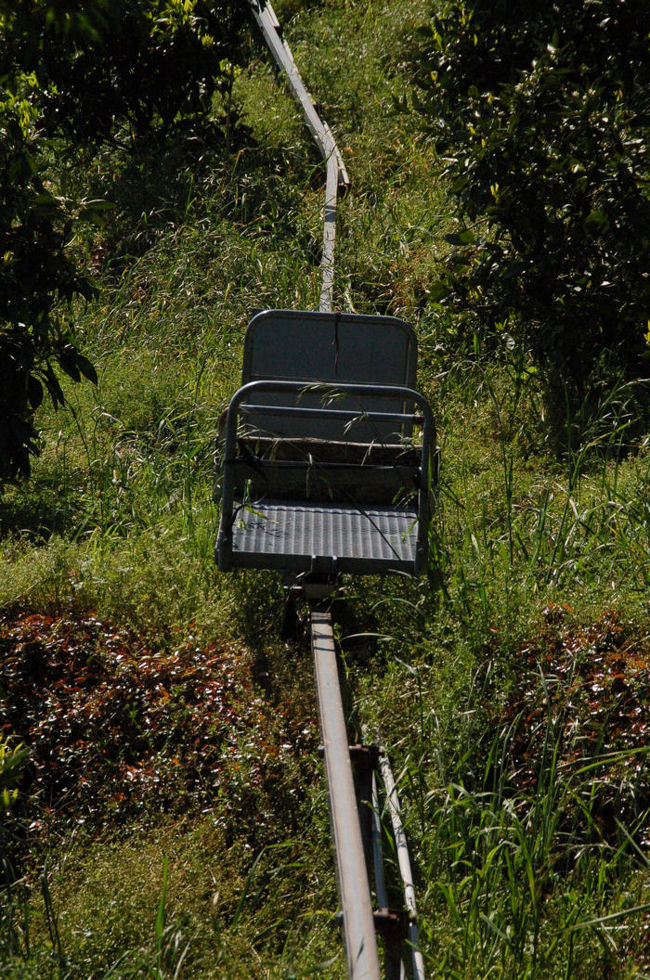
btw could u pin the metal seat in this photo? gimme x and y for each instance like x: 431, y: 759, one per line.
x: 321, y: 473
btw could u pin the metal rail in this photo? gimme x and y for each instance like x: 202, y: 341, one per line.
x: 417, y: 962
x: 352, y: 873
x: 337, y: 176
x: 354, y: 891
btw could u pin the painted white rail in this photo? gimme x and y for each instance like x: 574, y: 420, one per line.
x: 337, y: 177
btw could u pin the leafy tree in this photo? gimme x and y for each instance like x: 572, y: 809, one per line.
x: 73, y: 73
x: 541, y: 114
x: 36, y: 274
x: 103, y: 63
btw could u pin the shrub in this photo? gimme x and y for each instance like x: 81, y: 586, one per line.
x: 145, y: 63
x: 36, y: 273
x: 75, y: 74
x: 540, y: 112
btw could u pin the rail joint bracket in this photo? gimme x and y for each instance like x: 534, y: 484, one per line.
x: 364, y: 757
x: 391, y: 924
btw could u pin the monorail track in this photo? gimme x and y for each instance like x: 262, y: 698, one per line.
x: 355, y: 813
x: 360, y: 782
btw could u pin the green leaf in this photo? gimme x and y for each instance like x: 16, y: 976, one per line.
x: 53, y: 386
x: 34, y: 391
x: 461, y: 238
x: 96, y: 212
x: 86, y: 368
x: 597, y: 221
x: 438, y: 290
x: 68, y: 362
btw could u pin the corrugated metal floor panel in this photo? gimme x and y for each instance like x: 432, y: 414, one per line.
x: 289, y: 535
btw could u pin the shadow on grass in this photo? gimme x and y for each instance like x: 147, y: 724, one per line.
x: 38, y: 512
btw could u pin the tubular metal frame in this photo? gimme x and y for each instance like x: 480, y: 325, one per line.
x: 238, y: 405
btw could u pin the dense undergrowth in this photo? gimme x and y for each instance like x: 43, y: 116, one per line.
x: 168, y: 818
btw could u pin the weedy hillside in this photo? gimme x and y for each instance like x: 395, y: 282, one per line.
x: 163, y: 806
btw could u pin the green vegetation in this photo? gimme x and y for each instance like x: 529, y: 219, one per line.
x: 75, y: 78
x: 541, y: 116
x: 163, y: 809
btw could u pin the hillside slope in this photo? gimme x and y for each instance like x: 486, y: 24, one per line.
x: 171, y: 818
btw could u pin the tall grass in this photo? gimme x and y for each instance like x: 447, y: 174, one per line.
x: 515, y: 879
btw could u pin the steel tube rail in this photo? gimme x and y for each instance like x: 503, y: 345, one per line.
x: 404, y: 863
x: 335, y: 388
x: 393, y: 966
x: 336, y: 173
x: 268, y: 23
x: 354, y: 890
x: 331, y: 413
x: 378, y: 857
x: 329, y: 235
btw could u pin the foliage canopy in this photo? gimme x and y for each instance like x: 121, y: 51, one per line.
x: 99, y: 64
x: 75, y: 74
x: 541, y: 114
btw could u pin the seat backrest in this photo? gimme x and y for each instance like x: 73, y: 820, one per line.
x: 292, y: 345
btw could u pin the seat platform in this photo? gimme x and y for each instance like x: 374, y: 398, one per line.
x: 322, y: 471
x: 323, y: 537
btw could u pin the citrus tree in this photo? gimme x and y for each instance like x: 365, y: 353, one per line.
x: 81, y: 73
x: 541, y: 115
x: 37, y: 282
